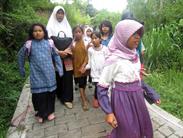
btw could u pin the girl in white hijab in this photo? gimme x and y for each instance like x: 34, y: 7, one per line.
x: 58, y: 22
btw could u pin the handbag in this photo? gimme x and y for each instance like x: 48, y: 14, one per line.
x: 61, y: 43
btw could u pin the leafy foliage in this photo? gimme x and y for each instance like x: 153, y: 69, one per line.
x: 164, y: 37
x: 75, y: 16
x: 11, y: 85
x: 164, y: 48
x: 105, y: 15
x: 14, y: 26
x: 169, y: 85
x: 156, y: 13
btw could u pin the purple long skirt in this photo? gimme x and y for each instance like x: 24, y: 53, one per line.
x: 129, y: 107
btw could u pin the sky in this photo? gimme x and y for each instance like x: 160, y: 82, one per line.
x: 110, y: 5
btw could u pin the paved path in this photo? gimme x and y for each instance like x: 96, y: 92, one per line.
x: 75, y: 123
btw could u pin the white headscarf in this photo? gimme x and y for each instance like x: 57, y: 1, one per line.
x: 86, y: 29
x: 53, y: 26
x: 86, y: 38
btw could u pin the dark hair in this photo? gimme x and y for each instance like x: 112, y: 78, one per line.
x: 77, y: 26
x: 97, y: 34
x: 106, y: 23
x: 61, y: 10
x: 129, y: 15
x: 32, y: 28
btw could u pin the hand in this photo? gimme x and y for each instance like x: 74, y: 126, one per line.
x: 143, y: 72
x: 68, y: 51
x: 63, y: 54
x: 82, y: 70
x: 89, y: 45
x: 158, y: 102
x: 111, y: 120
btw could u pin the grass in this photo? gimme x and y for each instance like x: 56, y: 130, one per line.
x: 169, y: 85
x: 10, y: 87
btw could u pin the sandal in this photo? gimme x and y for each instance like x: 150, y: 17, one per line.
x: 85, y: 106
x: 69, y: 105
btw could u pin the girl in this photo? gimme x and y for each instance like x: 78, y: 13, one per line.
x: 58, y: 22
x: 149, y: 93
x: 106, y: 31
x: 96, y: 56
x: 87, y: 40
x: 126, y: 109
x: 42, y: 54
x: 87, y: 36
x: 80, y: 59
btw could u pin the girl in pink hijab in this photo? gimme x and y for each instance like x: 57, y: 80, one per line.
x: 125, y: 108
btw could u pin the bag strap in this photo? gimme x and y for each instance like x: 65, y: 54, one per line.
x: 28, y: 45
x: 61, y: 32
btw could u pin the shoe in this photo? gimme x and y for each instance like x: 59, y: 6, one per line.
x: 76, y: 87
x: 95, y: 103
x: 36, y: 115
x: 69, y: 105
x: 90, y: 85
x: 85, y: 106
x: 51, y: 117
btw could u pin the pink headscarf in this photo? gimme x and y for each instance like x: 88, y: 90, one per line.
x: 118, y: 44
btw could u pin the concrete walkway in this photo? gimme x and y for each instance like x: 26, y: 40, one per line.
x: 75, y: 123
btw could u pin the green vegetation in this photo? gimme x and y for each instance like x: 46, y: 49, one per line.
x: 168, y: 84
x: 10, y: 88
x: 163, y: 40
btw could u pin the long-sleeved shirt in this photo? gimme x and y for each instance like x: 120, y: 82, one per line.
x: 122, y: 71
x: 42, y: 58
x: 126, y: 72
x: 96, y: 59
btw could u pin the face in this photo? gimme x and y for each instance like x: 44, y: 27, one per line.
x: 38, y: 32
x: 78, y: 33
x: 60, y: 15
x: 105, y: 29
x: 134, y: 40
x: 88, y: 32
x: 95, y: 40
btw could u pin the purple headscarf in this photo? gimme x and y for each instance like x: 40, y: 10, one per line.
x: 118, y: 44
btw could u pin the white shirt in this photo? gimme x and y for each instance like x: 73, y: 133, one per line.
x: 96, y: 59
x: 122, y: 70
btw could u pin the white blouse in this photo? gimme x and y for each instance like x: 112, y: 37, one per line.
x: 96, y: 60
x: 122, y: 70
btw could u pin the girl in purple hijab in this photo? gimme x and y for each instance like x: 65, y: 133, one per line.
x: 125, y: 108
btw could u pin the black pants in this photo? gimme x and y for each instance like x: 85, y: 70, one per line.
x: 64, y: 89
x: 44, y: 103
